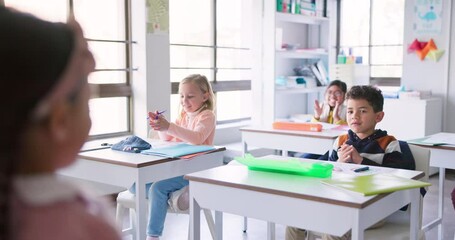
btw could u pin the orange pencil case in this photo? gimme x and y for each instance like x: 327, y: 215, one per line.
x: 313, y: 127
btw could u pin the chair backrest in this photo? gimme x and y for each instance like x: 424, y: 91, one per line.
x: 422, y: 160
x: 397, y: 224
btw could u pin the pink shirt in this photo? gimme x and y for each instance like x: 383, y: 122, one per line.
x: 195, y: 128
x: 45, y: 207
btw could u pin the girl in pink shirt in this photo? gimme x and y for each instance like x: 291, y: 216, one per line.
x: 195, y: 125
x: 45, y: 120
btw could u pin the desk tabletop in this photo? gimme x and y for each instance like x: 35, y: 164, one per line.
x: 303, y: 187
x: 442, y: 147
x: 441, y: 140
x: 135, y: 160
x: 328, y: 134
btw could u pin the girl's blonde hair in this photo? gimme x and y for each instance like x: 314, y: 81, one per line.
x: 204, y: 85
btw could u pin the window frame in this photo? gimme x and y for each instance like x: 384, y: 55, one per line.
x: 114, y: 89
x: 217, y: 86
x: 382, y: 81
x: 119, y: 89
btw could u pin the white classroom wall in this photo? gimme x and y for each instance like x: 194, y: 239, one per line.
x: 450, y: 104
x: 151, y: 85
x: 439, y: 77
x: 139, y: 82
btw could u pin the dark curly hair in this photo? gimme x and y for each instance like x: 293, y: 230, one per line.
x: 371, y: 94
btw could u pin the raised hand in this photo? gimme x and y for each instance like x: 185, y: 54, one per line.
x: 317, y: 109
x: 336, y: 112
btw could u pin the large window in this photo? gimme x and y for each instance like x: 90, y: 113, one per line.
x: 106, y: 27
x: 373, y: 29
x: 212, y: 37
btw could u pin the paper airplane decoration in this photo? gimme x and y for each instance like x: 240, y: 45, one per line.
x: 425, y: 50
x: 414, y: 46
x: 422, y: 44
x: 435, y: 55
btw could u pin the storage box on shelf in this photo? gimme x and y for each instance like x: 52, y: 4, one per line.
x: 351, y: 74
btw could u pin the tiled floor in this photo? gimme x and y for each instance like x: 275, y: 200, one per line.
x: 176, y: 226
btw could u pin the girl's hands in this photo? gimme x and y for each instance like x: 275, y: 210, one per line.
x: 348, y: 154
x: 317, y: 109
x: 158, y: 122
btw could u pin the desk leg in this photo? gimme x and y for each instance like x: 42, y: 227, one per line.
x: 415, y: 213
x: 195, y: 219
x: 357, y: 232
x: 141, y: 209
x: 442, y: 177
x: 244, y: 147
x: 245, y: 219
x: 438, y: 220
x: 270, y: 231
x: 219, y: 225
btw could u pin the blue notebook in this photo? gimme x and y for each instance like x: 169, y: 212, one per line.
x: 178, y: 150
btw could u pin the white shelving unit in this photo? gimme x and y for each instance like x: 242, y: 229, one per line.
x: 351, y: 74
x: 299, y: 90
x: 313, y: 36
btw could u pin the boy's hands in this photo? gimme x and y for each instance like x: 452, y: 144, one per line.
x: 317, y: 109
x: 348, y: 154
x: 158, y: 122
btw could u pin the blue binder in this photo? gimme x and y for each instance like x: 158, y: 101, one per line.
x: 178, y: 150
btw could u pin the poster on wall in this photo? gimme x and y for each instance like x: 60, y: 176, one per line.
x: 158, y: 16
x: 427, y: 16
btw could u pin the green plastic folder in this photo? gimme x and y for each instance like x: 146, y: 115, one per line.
x: 178, y: 150
x: 374, y: 184
x: 291, y: 166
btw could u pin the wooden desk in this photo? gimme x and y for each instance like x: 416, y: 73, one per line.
x: 442, y: 157
x: 123, y: 169
x: 299, y: 141
x: 293, y: 200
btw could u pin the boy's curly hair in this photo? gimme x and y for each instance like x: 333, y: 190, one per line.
x: 371, y: 94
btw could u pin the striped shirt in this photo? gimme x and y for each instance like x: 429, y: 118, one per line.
x: 378, y: 149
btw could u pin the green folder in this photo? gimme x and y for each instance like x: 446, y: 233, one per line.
x: 374, y: 184
x: 288, y: 166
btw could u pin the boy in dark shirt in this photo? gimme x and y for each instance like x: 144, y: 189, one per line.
x: 363, y: 144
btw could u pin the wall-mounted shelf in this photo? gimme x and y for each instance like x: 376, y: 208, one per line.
x: 306, y: 54
x: 297, y: 18
x: 283, y: 91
